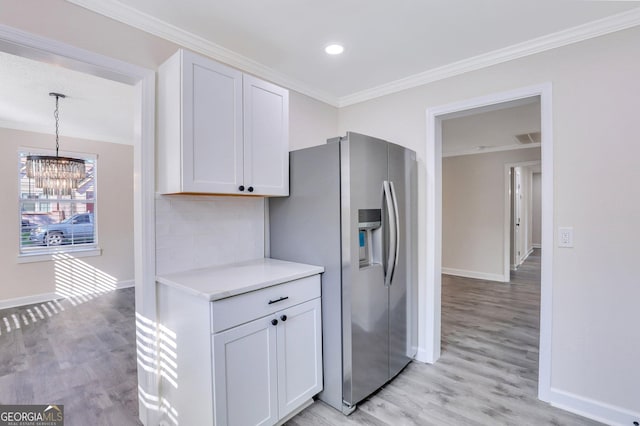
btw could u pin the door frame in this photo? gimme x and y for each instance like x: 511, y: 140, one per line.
x: 430, y: 294
x: 507, y: 213
x: 27, y: 45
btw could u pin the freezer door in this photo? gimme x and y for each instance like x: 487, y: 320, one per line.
x: 365, y: 298
x: 403, y: 288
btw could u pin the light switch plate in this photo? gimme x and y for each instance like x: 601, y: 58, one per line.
x: 565, y: 236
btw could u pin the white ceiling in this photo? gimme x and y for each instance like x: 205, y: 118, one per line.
x: 493, y: 130
x: 95, y: 108
x: 389, y: 45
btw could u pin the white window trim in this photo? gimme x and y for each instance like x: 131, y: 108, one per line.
x: 50, y: 256
x: 46, y: 253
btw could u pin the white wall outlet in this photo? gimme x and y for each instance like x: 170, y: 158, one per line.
x: 565, y: 236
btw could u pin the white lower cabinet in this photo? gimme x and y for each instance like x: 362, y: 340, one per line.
x: 253, y: 358
x: 269, y: 367
x: 245, y: 383
x: 299, y: 355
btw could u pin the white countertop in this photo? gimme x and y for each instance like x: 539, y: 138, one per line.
x: 223, y: 281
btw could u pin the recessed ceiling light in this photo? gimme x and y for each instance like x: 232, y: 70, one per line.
x: 334, y: 49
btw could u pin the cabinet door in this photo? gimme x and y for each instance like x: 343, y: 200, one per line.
x: 299, y: 355
x: 211, y: 125
x: 266, y: 137
x: 245, y: 383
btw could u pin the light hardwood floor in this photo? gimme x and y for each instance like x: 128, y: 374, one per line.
x: 488, y: 371
x: 84, y: 357
x: 77, y: 352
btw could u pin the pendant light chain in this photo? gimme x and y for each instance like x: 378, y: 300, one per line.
x: 56, y: 115
x: 56, y: 176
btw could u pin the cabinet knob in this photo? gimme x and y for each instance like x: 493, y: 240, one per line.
x: 241, y: 187
x: 274, y: 322
x: 250, y: 189
x: 283, y: 317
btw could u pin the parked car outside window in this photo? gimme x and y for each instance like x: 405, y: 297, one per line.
x: 78, y: 229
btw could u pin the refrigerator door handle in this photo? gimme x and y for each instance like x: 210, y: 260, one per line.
x: 391, y: 252
x: 397, y: 231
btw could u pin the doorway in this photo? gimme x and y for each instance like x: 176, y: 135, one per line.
x: 29, y: 46
x: 522, y: 207
x: 431, y: 283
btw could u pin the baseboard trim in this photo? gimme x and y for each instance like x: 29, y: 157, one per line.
x: 596, y: 410
x: 474, y: 274
x: 28, y: 300
x: 125, y: 284
x: 47, y: 297
x: 526, y: 256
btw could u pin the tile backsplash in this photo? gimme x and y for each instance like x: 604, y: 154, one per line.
x: 200, y: 231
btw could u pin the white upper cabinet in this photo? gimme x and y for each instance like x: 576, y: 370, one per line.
x: 266, y: 137
x: 220, y: 131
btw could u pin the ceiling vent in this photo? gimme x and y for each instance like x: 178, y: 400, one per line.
x: 526, y: 138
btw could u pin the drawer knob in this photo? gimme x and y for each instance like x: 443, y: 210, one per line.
x: 274, y: 322
x: 250, y: 189
x: 283, y: 317
x: 241, y: 188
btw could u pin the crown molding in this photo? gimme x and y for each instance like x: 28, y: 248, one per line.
x: 127, y: 15
x: 576, y: 34
x: 490, y: 149
x: 46, y: 130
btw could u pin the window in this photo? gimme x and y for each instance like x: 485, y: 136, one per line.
x: 52, y: 223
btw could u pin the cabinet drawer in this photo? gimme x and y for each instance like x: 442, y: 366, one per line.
x: 232, y: 311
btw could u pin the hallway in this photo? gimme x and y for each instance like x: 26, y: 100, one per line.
x: 496, y: 322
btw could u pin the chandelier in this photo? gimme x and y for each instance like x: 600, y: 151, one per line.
x: 55, y: 175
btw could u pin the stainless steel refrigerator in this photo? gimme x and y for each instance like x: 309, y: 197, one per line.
x: 352, y: 209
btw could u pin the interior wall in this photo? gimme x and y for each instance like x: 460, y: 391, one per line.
x: 596, y: 96
x: 311, y: 122
x: 536, y: 209
x: 473, y: 197
x: 115, y: 217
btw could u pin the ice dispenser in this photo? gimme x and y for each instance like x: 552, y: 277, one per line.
x: 369, y: 221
